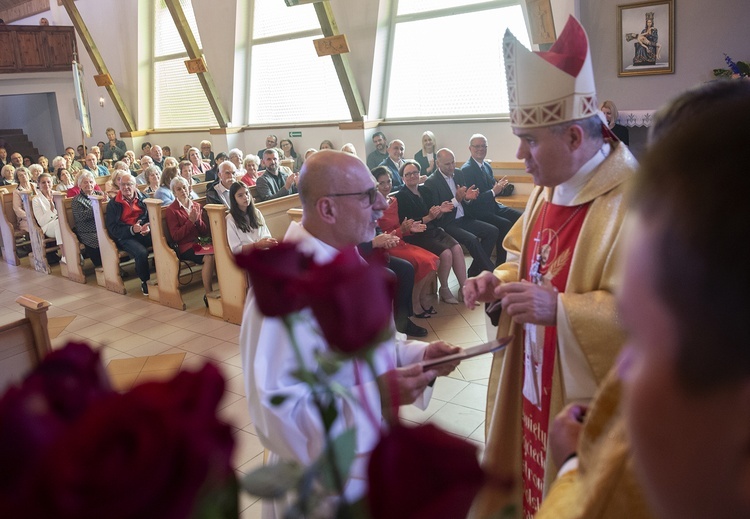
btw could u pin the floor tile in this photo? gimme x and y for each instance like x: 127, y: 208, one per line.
x: 457, y: 419
x: 473, y: 396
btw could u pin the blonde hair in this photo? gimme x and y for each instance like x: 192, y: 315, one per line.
x: 613, y: 110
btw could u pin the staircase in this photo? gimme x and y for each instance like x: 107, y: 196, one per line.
x: 15, y: 140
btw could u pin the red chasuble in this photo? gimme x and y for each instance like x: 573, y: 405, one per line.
x: 549, y: 256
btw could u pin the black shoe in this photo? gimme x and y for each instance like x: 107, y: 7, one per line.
x: 205, y: 301
x: 414, y: 330
x: 144, y: 288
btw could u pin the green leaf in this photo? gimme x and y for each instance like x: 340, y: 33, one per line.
x: 277, y: 400
x: 273, y: 481
x: 344, y: 452
x: 305, y: 376
x: 218, y: 502
x: 327, y: 363
x: 328, y: 413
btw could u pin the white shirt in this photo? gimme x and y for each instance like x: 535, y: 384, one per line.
x: 452, y: 184
x: 237, y: 238
x: 293, y: 430
x: 567, y: 191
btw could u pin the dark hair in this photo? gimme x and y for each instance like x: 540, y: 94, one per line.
x: 60, y: 170
x: 591, y: 126
x: 292, y: 153
x: 246, y: 220
x: 406, y: 163
x: 143, y: 146
x: 326, y: 141
x: 702, y: 252
x: 221, y: 155
x: 380, y: 171
x: 379, y: 134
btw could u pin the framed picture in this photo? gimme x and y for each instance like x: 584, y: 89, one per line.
x: 645, y: 39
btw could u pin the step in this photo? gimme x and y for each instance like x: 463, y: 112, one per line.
x: 13, y: 131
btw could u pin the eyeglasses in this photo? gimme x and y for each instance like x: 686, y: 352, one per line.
x: 372, y: 193
x: 479, y: 146
x: 412, y: 173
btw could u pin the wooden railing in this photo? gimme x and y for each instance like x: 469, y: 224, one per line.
x: 31, y: 48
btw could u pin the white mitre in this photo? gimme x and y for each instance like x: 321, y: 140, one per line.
x: 552, y: 87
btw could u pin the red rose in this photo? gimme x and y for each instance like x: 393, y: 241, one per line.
x: 422, y: 472
x: 276, y: 275
x: 35, y: 415
x: 352, y: 301
x: 147, y: 454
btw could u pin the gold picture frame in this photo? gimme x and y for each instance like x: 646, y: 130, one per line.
x: 645, y: 38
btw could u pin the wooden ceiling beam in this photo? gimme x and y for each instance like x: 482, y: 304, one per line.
x: 101, y: 67
x: 340, y: 61
x: 201, y: 69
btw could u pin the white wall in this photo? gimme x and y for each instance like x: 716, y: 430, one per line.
x: 37, y: 116
x: 704, y: 30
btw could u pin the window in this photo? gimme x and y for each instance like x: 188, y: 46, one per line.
x: 179, y: 99
x: 289, y: 82
x: 447, y: 59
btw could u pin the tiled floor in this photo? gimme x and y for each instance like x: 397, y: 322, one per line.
x: 132, y: 326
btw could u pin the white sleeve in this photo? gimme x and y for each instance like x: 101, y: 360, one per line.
x: 233, y: 235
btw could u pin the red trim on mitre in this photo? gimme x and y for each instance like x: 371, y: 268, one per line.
x: 569, y: 51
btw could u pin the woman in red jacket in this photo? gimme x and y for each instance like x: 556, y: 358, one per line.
x: 186, y: 223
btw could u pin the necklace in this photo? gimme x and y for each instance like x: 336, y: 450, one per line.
x: 535, y: 274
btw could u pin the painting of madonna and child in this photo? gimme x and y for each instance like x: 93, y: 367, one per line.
x: 646, y: 38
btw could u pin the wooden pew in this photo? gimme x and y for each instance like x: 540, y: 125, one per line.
x: 25, y: 342
x: 73, y: 269
x: 109, y: 274
x: 232, y: 280
x: 40, y: 244
x: 167, y: 262
x: 9, y: 226
x: 275, y: 213
x: 200, y: 188
x: 100, y: 181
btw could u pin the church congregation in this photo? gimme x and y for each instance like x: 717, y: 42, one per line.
x: 619, y: 385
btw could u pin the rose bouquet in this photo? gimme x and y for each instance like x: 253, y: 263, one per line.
x: 71, y: 447
x: 413, y: 472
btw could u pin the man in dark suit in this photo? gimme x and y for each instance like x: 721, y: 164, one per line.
x: 394, y: 161
x: 478, y: 237
x: 479, y: 173
x: 213, y: 173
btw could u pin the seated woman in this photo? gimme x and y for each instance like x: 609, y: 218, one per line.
x: 112, y: 186
x: 250, y: 164
x: 186, y: 224
x: 45, y: 213
x: 411, y: 206
x: 288, y: 148
x: 44, y: 162
x: 153, y: 177
x: 129, y: 159
x: 198, y: 166
x: 427, y: 155
x: 24, y: 185
x: 185, y: 171
x: 327, y: 145
x: 83, y: 217
x: 64, y: 180
x: 164, y: 192
x: 246, y: 228
x: 425, y: 263
x: 6, y: 175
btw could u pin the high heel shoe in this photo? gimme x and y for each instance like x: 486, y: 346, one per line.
x: 431, y: 310
x: 447, y: 296
x: 205, y: 301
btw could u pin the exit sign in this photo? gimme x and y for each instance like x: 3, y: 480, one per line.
x: 295, y: 134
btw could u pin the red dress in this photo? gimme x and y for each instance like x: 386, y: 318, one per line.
x: 423, y: 261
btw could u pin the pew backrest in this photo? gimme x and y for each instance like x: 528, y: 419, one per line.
x: 9, y: 226
x: 107, y: 248
x: 69, y: 239
x: 25, y: 342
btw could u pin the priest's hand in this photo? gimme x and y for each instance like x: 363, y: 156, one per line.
x: 565, y: 432
x: 529, y: 303
x: 481, y: 289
